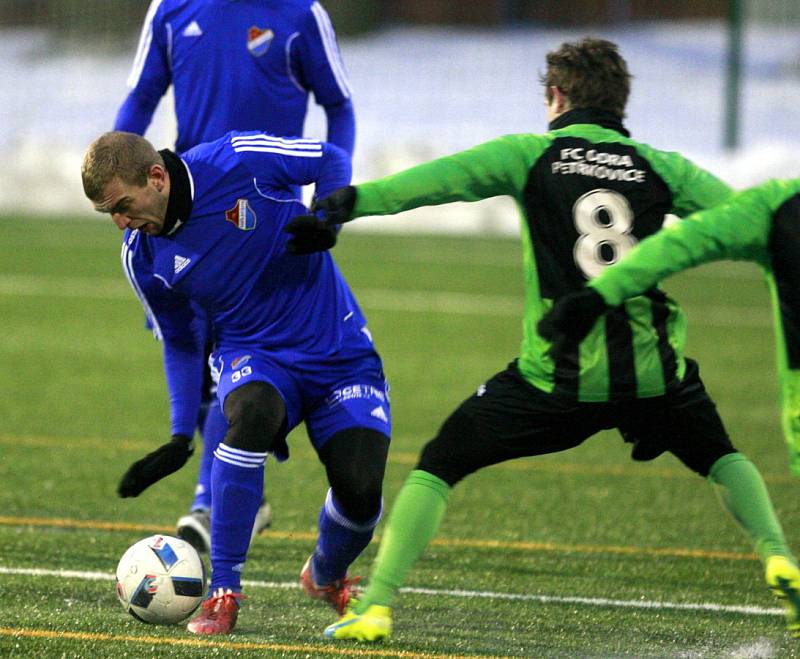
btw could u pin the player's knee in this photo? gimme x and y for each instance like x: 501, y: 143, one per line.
x: 256, y: 416
x: 703, y: 461
x: 436, y: 461
x: 700, y: 454
x: 359, y: 501
x: 355, y: 461
x: 445, y: 456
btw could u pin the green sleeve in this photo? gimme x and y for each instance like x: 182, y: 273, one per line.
x: 693, y: 188
x: 738, y: 229
x: 784, y: 301
x: 789, y: 388
x: 498, y: 167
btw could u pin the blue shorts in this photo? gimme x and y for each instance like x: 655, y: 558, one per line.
x: 330, y: 395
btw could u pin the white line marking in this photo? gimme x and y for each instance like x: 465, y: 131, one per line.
x: 78, y: 287
x: 64, y: 574
x: 380, y: 299
x: 600, y: 601
x: 466, y: 594
x: 440, y: 302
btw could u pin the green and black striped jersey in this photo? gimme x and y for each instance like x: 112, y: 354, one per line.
x: 762, y: 225
x: 587, y: 194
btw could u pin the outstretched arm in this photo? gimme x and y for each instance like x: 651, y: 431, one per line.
x: 498, y: 167
x: 738, y: 229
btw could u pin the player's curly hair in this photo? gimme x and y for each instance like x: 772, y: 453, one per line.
x: 591, y: 73
x: 125, y: 155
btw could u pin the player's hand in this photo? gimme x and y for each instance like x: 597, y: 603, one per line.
x: 338, y: 206
x: 154, y: 466
x: 571, y: 318
x: 309, y: 234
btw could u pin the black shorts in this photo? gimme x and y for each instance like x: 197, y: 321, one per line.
x: 509, y: 418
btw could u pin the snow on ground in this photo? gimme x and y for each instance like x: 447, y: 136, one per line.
x: 421, y: 93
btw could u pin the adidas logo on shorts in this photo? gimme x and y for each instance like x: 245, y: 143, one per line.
x: 379, y: 413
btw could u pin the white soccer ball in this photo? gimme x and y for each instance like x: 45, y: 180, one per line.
x: 161, y: 580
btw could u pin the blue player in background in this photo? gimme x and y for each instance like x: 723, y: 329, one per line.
x: 291, y: 342
x: 234, y: 66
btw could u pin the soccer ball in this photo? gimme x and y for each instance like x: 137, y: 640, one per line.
x: 161, y: 580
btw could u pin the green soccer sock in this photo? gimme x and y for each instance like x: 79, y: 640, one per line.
x: 744, y: 494
x: 413, y: 522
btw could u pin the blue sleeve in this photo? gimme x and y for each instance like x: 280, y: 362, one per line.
x: 342, y: 125
x: 335, y: 171
x: 183, y: 366
x: 135, y: 113
x: 150, y: 74
x: 171, y: 318
x: 282, y: 163
x: 316, y: 59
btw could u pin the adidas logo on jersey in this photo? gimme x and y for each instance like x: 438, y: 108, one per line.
x: 192, y: 30
x: 378, y: 413
x: 181, y: 262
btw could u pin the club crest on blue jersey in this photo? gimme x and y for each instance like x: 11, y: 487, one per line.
x: 241, y: 215
x: 258, y: 40
x: 240, y: 361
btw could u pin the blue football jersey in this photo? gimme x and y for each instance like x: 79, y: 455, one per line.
x: 230, y: 258
x: 236, y: 64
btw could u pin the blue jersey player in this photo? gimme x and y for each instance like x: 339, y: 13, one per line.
x: 207, y: 228
x: 246, y: 65
x: 234, y: 66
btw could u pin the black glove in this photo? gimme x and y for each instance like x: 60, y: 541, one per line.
x: 154, y: 466
x: 309, y: 234
x: 571, y: 318
x: 337, y: 206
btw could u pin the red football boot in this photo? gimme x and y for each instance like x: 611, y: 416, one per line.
x: 337, y: 594
x: 218, y: 615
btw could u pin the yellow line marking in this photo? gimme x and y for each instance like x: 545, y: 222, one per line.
x: 314, y: 650
x: 71, y: 443
x: 519, y: 545
x: 396, y: 457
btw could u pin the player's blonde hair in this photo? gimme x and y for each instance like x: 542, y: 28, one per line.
x: 124, y: 155
x: 591, y: 73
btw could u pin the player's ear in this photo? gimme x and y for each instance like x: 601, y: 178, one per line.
x: 157, y: 174
x: 562, y: 102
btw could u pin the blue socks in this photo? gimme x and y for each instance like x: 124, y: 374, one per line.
x: 237, y: 483
x: 214, y: 429
x: 340, y: 542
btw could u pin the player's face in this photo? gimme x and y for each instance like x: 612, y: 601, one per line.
x: 136, y: 207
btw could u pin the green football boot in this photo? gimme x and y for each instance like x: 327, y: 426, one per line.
x: 375, y: 624
x: 783, y: 579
